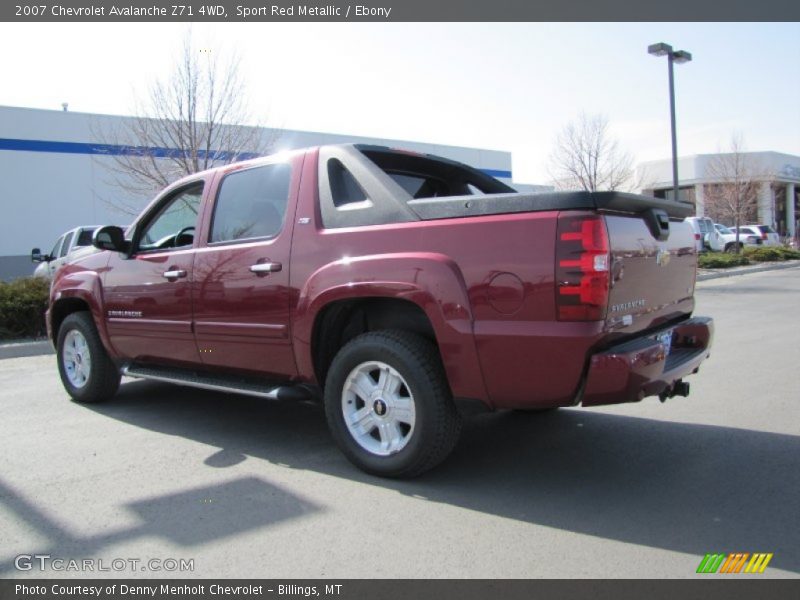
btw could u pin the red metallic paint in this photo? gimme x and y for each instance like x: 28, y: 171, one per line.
x: 487, y: 285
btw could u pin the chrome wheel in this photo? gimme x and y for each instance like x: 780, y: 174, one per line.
x: 76, y: 358
x: 378, y: 407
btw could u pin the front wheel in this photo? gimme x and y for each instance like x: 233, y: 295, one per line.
x: 87, y: 372
x: 388, y: 404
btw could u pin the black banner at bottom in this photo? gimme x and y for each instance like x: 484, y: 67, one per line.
x: 397, y: 589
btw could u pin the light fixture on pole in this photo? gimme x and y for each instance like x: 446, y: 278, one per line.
x: 680, y: 57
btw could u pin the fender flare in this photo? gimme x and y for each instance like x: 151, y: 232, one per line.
x: 432, y: 281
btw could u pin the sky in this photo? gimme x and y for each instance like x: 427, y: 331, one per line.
x: 502, y: 86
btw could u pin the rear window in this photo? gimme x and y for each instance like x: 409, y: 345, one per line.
x: 424, y: 176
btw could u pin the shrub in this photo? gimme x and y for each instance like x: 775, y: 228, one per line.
x: 789, y: 253
x: 720, y: 260
x: 770, y: 253
x: 22, y: 306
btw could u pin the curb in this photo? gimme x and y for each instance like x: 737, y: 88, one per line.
x: 25, y: 349
x: 791, y: 264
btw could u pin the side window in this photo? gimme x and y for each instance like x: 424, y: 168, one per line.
x: 174, y: 224
x: 251, y: 203
x: 65, y: 246
x: 57, y: 247
x: 346, y: 191
x: 85, y: 237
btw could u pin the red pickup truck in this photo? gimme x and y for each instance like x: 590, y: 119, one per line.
x: 394, y: 286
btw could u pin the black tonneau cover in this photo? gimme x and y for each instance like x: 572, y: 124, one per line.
x: 497, y: 204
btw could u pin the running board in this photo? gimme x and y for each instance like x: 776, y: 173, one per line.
x: 219, y: 383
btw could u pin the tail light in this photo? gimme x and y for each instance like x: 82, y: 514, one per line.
x: 582, y: 268
x: 697, y: 237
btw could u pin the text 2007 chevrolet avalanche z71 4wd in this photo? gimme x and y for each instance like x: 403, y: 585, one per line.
x: 392, y: 285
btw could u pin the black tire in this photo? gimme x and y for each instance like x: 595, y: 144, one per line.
x: 731, y: 248
x: 103, y: 378
x: 437, y: 423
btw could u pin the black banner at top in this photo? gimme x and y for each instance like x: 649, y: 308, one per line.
x: 398, y: 10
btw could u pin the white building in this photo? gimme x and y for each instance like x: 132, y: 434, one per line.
x: 778, y: 189
x: 54, y: 175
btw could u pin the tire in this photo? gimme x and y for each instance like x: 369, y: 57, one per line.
x: 731, y: 248
x: 390, y: 386
x: 87, y: 372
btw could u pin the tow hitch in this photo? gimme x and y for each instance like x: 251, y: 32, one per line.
x: 681, y: 388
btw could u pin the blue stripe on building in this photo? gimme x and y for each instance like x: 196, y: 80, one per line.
x: 117, y: 150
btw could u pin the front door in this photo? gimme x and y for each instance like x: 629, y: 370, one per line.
x: 241, y: 293
x: 148, y: 296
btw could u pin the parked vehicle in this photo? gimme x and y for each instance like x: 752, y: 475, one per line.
x: 705, y: 235
x: 728, y: 237
x: 394, y: 286
x: 63, y: 251
x: 769, y: 237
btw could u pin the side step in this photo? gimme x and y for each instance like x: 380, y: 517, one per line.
x: 221, y: 383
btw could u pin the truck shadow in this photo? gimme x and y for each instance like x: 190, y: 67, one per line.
x: 682, y: 487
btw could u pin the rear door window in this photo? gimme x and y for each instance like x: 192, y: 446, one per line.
x: 251, y: 204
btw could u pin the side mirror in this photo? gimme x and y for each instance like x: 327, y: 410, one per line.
x: 111, y: 237
x: 36, y: 255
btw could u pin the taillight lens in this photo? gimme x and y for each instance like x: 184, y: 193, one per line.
x: 582, y: 268
x: 697, y: 237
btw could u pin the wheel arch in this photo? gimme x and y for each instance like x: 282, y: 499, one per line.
x: 420, y: 292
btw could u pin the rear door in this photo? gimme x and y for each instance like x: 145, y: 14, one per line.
x: 242, y: 297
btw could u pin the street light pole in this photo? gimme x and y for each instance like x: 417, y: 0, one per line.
x: 679, y: 56
x: 675, y: 186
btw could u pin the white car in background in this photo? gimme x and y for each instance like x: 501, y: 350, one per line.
x: 769, y: 237
x: 729, y: 238
x: 64, y: 250
x: 706, y: 237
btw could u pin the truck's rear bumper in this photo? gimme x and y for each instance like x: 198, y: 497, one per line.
x: 646, y: 366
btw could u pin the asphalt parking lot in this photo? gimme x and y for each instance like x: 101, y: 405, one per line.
x: 248, y: 488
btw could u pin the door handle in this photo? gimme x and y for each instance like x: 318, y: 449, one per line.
x: 174, y: 274
x: 268, y: 267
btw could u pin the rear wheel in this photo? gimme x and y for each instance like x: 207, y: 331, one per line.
x: 87, y: 372
x: 731, y: 248
x: 388, y: 404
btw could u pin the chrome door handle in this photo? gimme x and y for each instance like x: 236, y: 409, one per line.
x: 174, y: 274
x: 266, y: 267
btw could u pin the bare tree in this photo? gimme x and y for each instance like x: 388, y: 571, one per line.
x: 587, y: 158
x: 733, y: 197
x: 189, y: 122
